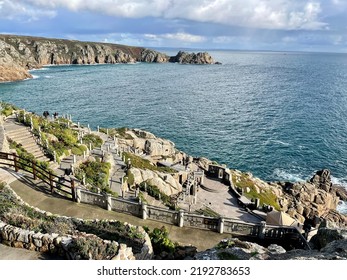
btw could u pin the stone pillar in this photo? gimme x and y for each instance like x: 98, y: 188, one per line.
x: 181, y: 218
x: 257, y: 203
x: 54, y: 156
x: 84, y: 154
x: 261, y: 233
x: 90, y: 146
x: 74, y: 159
x: 78, y: 124
x: 221, y: 225
x: 144, y: 210
x: 109, y: 202
x: 78, y: 194
x: 98, y: 128
x: 107, y: 131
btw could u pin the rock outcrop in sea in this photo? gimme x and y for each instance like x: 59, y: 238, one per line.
x: 18, y: 54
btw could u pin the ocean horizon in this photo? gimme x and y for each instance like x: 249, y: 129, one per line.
x: 279, y: 115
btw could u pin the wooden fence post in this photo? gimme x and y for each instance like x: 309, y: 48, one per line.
x: 51, y: 182
x: 15, y: 162
x: 34, y: 170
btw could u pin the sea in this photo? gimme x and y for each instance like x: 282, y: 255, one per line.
x: 279, y: 115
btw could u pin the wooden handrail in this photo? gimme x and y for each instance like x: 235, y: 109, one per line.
x: 37, y: 171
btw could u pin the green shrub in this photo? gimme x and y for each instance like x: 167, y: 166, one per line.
x: 160, y: 241
x: 96, y: 173
x: 93, y: 139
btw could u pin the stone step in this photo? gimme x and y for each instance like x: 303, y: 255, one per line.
x: 17, y: 132
x: 22, y: 139
x: 34, y: 150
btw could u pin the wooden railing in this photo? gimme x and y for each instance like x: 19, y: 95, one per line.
x: 56, y: 183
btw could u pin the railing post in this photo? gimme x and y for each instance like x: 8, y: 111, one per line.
x: 34, y: 169
x: 16, y: 168
x: 221, y: 225
x: 181, y: 218
x: 51, y: 182
x: 73, y: 194
x: 144, y: 210
x: 262, y: 228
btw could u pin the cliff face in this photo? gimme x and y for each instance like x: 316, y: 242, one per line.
x: 18, y: 54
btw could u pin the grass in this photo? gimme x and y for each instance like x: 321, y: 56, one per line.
x: 265, y: 196
x: 206, y: 211
x: 7, y: 109
x: 118, y: 132
x: 141, y: 163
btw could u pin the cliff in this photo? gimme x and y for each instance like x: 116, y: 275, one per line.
x: 18, y: 54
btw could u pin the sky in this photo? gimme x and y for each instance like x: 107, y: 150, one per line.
x: 278, y: 25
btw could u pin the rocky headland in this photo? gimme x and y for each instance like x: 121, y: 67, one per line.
x: 19, y: 54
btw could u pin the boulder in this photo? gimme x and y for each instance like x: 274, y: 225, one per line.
x: 165, y: 182
x: 322, y: 180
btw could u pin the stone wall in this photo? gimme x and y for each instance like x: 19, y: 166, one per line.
x: 178, y: 218
x: 121, y: 205
x: 58, y: 244
x: 162, y: 215
x: 135, y: 248
x: 93, y: 198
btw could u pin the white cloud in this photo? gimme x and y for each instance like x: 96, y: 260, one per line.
x: 281, y: 14
x: 184, y: 37
x: 179, y: 38
x: 14, y: 9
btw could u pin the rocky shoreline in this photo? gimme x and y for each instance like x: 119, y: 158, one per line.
x: 19, y: 54
x: 312, y: 203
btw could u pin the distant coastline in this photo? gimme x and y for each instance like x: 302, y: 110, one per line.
x: 19, y: 54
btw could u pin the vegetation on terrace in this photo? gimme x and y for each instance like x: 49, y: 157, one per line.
x: 141, y: 163
x: 57, y: 136
x: 265, y: 196
x: 96, y: 175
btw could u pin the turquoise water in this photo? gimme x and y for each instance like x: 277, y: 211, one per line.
x: 281, y: 116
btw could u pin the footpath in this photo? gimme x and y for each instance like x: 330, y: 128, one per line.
x: 37, y: 194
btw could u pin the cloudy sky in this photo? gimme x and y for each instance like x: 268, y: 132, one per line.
x: 316, y: 25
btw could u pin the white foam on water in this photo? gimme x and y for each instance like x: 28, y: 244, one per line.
x: 280, y: 142
x: 342, y: 207
x: 39, y: 69
x: 35, y: 76
x: 339, y: 181
x: 48, y: 77
x: 283, y: 175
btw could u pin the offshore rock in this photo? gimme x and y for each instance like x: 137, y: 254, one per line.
x: 192, y: 58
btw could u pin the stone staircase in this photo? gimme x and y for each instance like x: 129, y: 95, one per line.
x: 22, y: 135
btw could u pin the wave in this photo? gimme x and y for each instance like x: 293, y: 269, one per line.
x: 280, y: 142
x: 35, y: 76
x: 283, y: 175
x: 342, y: 207
x: 48, y: 77
x: 339, y: 181
x: 39, y: 69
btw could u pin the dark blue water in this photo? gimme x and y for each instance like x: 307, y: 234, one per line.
x: 281, y: 116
